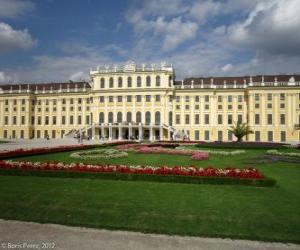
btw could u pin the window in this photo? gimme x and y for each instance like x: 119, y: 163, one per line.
x: 53, y: 134
x: 148, y: 118
x: 102, y: 83
x: 170, y: 118
x: 157, y: 81
x: 177, y: 119
x: 229, y: 120
x: 187, y: 119
x: 157, y: 98
x: 138, y: 98
x: 139, y: 81
x: 32, y: 120
x: 229, y: 136
x: 129, y: 98
x: 220, y: 119
x: 79, y: 120
x: 111, y: 82
x: 256, y: 97
x: 177, y: 98
x: 5, y: 135
x: 229, y: 98
x: 101, y: 99
x: 80, y: 100
x: 282, y: 136
x: 257, y: 135
x: 197, y: 135
x: 129, y: 82
x: 282, y: 96
x: 63, y: 102
x: 87, y: 119
x: 47, y: 102
x: 119, y: 117
x: 110, y: 98
x: 6, y: 101
x: 220, y: 98
x: 23, y: 101
x: 257, y: 105
x: 240, y: 98
x: 148, y: 81
x: 220, y: 106
x: 220, y: 135
x: 282, y: 119
x: 177, y: 106
x: 71, y: 119
x: 197, y: 98
x: 129, y: 117
x: 110, y: 117
x: 206, y: 118
x: 229, y: 107
x: 197, y: 119
x: 138, y: 117
x: 257, y: 119
x: 206, y: 98
x: 270, y: 136
x: 120, y: 82
x: 119, y: 98
x: 269, y: 106
x: 269, y: 97
x: 22, y: 120
x: 270, y: 119
x: 63, y: 120
x: 240, y: 119
x: 206, y: 106
x: 197, y: 106
x: 15, y: 102
x: 206, y: 135
x: 282, y: 105
x: 157, y: 118
x: 53, y: 120
x: 240, y: 107
x: 187, y: 98
x: 187, y: 107
x: 148, y: 98
x: 14, y: 120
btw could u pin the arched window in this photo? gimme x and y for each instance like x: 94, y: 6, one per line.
x: 110, y: 117
x: 101, y: 117
x: 148, y: 81
x: 157, y: 118
x: 138, y: 117
x: 139, y: 81
x: 129, y: 82
x: 148, y: 118
x: 170, y: 81
x: 120, y: 82
x: 129, y: 117
x: 102, y: 83
x: 170, y: 118
x: 111, y: 82
x: 119, y: 117
x: 157, y: 81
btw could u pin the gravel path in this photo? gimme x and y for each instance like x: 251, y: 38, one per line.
x: 29, y: 235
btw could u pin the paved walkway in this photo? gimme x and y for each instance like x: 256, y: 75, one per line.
x: 20, y: 235
x: 38, y: 143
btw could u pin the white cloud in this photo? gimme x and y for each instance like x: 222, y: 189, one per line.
x: 5, y: 78
x: 11, y: 39
x: 203, y: 10
x: 227, y: 67
x: 15, y: 8
x: 78, y: 76
x: 272, y: 27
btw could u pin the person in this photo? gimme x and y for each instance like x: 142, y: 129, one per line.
x: 47, y: 137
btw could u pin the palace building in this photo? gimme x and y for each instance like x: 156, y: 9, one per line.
x: 146, y: 102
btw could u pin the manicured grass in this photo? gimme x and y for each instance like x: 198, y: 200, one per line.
x: 270, y: 214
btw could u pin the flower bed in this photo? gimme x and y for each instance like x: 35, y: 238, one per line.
x: 250, y: 145
x: 100, y: 154
x: 246, y: 176
x: 34, y: 151
x: 215, y: 152
x: 276, y: 152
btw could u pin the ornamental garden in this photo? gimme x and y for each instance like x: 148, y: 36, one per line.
x: 234, y: 190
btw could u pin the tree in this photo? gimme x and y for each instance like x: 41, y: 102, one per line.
x: 240, y: 130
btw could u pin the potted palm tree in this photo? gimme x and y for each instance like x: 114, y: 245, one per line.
x: 240, y: 130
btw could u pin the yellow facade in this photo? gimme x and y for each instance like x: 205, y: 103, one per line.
x: 147, y: 103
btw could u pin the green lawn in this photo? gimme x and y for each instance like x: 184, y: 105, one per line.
x: 270, y: 214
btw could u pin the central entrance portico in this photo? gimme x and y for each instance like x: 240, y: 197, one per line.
x: 129, y: 131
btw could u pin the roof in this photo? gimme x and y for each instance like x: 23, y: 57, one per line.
x: 46, y: 86
x: 237, y: 79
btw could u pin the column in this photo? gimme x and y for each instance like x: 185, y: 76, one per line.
x: 120, y: 132
x: 140, y: 131
x: 161, y: 135
x: 93, y: 133
x: 102, y: 131
x: 129, y: 131
x: 151, y: 133
x: 110, y: 132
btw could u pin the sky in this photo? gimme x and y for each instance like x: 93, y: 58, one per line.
x: 61, y: 40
